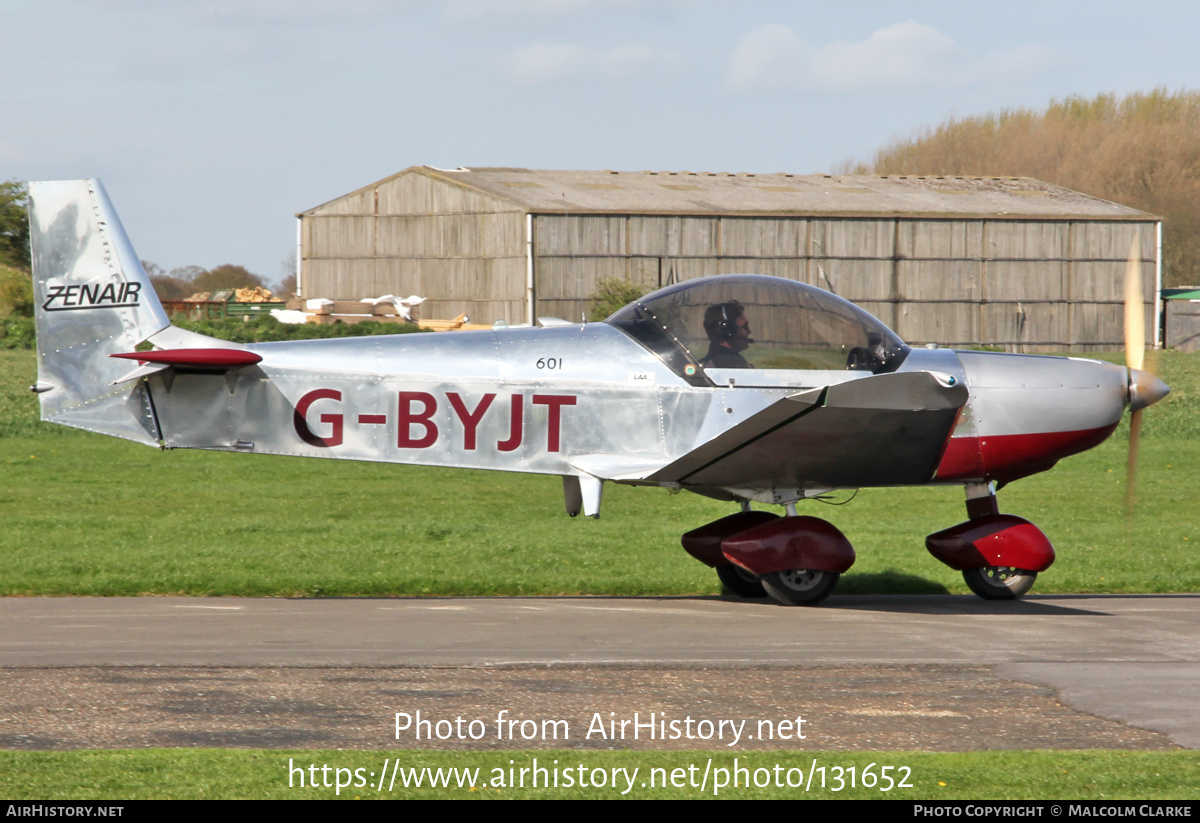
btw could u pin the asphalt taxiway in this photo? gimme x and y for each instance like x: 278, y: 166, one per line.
x: 1129, y: 661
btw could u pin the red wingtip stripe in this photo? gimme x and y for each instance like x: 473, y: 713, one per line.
x: 211, y: 358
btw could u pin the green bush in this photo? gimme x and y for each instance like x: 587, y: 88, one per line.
x: 16, y: 292
x: 613, y: 294
x: 267, y: 329
x: 16, y: 332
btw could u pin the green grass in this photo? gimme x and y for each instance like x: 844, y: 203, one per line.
x: 213, y: 774
x: 90, y: 515
x: 86, y: 514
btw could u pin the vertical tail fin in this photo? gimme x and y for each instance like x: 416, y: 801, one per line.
x: 92, y: 299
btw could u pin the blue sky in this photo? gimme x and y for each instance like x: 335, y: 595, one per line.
x: 212, y: 122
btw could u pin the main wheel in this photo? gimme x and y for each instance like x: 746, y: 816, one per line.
x: 999, y: 582
x: 799, y: 587
x: 737, y: 580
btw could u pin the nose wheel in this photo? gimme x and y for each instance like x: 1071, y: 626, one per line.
x: 1018, y: 548
x: 999, y: 582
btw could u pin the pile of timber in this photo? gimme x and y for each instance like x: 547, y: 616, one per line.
x: 353, y: 311
x: 257, y: 294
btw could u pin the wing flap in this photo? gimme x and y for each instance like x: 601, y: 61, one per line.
x: 886, y: 430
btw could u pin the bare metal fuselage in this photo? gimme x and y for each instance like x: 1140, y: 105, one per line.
x: 583, y: 401
x: 838, y: 401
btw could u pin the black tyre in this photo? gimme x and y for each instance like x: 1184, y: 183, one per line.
x: 737, y: 580
x: 999, y: 582
x: 799, y: 587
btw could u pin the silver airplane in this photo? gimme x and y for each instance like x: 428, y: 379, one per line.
x: 743, y: 388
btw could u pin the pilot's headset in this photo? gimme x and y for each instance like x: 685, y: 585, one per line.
x: 724, y: 320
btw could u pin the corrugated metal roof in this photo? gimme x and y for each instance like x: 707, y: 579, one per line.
x: 686, y: 192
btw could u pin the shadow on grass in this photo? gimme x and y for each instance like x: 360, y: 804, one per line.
x: 888, y: 582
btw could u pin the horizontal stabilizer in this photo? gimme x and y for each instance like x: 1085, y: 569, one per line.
x: 219, y: 359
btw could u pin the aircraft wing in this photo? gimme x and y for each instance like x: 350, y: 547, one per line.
x: 886, y: 430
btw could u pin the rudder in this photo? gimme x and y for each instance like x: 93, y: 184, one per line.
x: 92, y: 299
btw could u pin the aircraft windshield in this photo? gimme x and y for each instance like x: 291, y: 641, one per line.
x: 758, y: 322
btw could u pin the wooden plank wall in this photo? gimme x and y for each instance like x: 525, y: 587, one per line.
x: 1020, y: 285
x: 415, y: 235
x: 1183, y: 325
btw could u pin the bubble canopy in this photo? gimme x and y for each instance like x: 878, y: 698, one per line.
x: 758, y: 322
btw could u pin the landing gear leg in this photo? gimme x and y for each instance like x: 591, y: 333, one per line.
x: 981, y: 500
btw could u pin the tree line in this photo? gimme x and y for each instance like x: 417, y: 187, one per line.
x: 183, y: 282
x: 1141, y: 150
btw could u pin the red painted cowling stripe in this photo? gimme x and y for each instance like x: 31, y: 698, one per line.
x: 202, y: 358
x: 1011, y: 456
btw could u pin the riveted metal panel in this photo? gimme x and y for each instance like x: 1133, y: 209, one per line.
x: 407, y: 399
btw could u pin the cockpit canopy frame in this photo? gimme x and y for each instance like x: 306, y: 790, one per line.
x: 793, y: 326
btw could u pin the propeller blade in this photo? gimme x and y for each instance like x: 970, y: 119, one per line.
x: 1135, y: 436
x: 1135, y: 308
x: 1135, y: 351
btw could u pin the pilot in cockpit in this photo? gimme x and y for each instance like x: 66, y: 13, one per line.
x: 728, y: 331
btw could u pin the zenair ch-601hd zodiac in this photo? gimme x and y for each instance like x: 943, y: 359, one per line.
x: 739, y: 387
